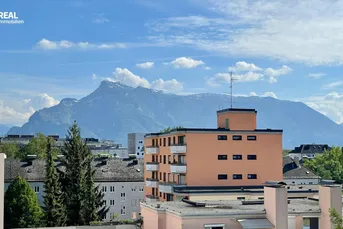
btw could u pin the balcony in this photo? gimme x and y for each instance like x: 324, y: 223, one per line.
x: 178, y: 149
x: 178, y: 168
x: 153, y: 183
x: 152, y: 150
x: 150, y: 198
x: 166, y: 187
x: 152, y: 166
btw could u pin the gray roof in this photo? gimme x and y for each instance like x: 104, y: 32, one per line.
x: 310, y: 148
x: 293, y: 169
x: 114, y: 171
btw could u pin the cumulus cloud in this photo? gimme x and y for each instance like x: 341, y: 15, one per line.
x: 222, y: 78
x: 243, y: 66
x: 186, y: 62
x: 330, y: 104
x: 253, y: 94
x: 274, y: 73
x: 46, y: 44
x: 125, y: 76
x: 270, y: 94
x: 316, y: 75
x: 18, y: 112
x: 146, y: 65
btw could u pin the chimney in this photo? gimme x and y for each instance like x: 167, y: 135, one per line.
x: 330, y: 197
x: 276, y: 203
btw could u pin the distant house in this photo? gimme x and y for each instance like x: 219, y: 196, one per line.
x: 135, y: 144
x: 296, y: 174
x: 308, y: 151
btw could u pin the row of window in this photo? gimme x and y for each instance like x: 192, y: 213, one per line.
x: 115, y: 215
x: 237, y: 137
x: 237, y: 176
x: 113, y: 188
x: 167, y: 177
x: 171, y: 141
x: 163, y: 159
x: 237, y: 157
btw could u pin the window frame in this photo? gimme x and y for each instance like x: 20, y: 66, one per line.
x: 234, y: 177
x: 222, y: 177
x: 222, y: 137
x: 250, y: 178
x: 234, y: 138
x: 252, y: 155
x: 222, y: 157
x: 237, y: 159
x: 253, y: 139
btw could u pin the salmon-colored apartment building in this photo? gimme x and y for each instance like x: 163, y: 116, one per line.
x: 235, y: 154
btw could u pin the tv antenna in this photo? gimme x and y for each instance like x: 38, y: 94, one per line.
x: 232, y: 79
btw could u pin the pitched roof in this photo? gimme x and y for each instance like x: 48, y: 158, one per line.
x: 293, y: 169
x: 310, y: 148
x: 115, y: 170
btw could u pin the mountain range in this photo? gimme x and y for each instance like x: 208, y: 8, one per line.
x: 4, y: 129
x: 113, y: 110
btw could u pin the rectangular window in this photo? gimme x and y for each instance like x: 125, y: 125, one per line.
x: 104, y: 216
x: 160, y: 158
x: 164, y: 195
x: 222, y: 137
x: 36, y: 189
x: 123, y: 210
x: 112, y: 189
x: 251, y: 138
x: 222, y: 157
x: 122, y: 196
x: 169, y: 141
x: 169, y: 159
x: 141, y: 188
x: 160, y: 175
x: 240, y: 198
x: 164, y: 141
x: 164, y: 177
x: 164, y: 159
x: 160, y: 141
x: 153, y: 142
x: 114, y: 215
x: 237, y: 137
x: 174, y: 142
x: 227, y: 123
x: 140, y: 142
x: 237, y: 176
x: 133, y: 203
x: 112, y: 202
x: 133, y: 188
x: 251, y: 157
x: 222, y: 177
x: 236, y: 157
x: 104, y: 188
x: 160, y: 194
x: 252, y: 176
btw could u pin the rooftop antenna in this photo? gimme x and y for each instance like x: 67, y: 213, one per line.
x: 232, y: 79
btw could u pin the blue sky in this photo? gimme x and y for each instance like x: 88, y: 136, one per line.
x: 290, y: 50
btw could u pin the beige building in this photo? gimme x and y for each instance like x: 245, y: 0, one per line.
x: 275, y: 211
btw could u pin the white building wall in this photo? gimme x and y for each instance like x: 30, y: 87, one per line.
x: 135, y: 144
x: 296, y: 181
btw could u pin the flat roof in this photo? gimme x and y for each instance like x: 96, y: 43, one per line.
x: 255, y: 223
x: 237, y: 110
x: 230, y: 207
x: 216, y: 130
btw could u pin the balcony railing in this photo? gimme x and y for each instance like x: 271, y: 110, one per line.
x: 152, y: 150
x: 166, y: 187
x: 178, y: 148
x: 152, y: 166
x: 151, y: 182
x: 178, y: 168
x: 151, y: 198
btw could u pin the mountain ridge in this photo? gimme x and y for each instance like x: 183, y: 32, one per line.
x: 114, y: 109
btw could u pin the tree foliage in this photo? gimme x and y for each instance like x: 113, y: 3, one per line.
x: 54, y: 207
x: 336, y: 219
x: 168, y: 129
x: 22, y: 208
x: 329, y: 165
x: 11, y: 150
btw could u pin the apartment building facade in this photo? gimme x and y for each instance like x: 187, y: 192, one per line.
x: 235, y: 153
x: 121, y: 181
x: 135, y: 144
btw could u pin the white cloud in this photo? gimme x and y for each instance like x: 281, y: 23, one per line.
x: 99, y: 18
x: 186, y: 62
x: 17, y: 113
x: 316, y: 75
x: 297, y: 31
x: 253, y: 94
x: 274, y: 73
x: 330, y: 105
x: 332, y: 85
x: 221, y: 78
x: 243, y: 66
x: 168, y: 85
x: 146, y: 65
x: 207, y: 68
x: 64, y: 44
x: 125, y: 76
x: 270, y: 94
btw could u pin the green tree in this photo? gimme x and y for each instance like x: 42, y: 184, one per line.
x: 37, y: 146
x: 11, y: 150
x: 22, y: 208
x: 168, y: 129
x: 329, y: 165
x: 83, y: 199
x: 336, y: 219
x: 54, y: 208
